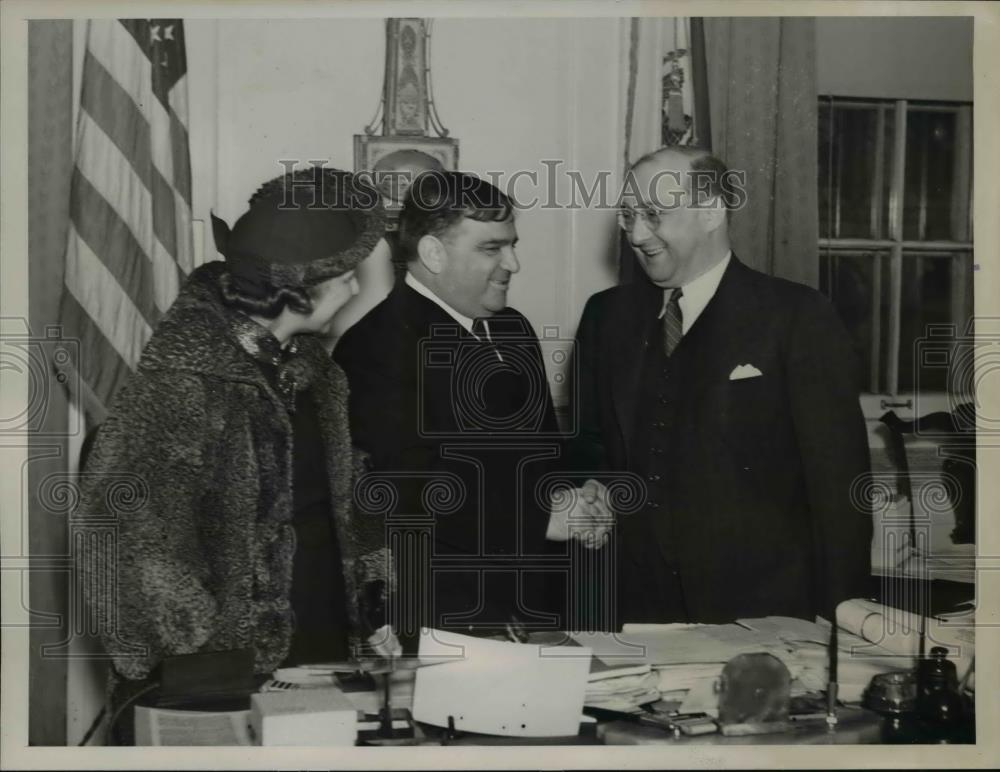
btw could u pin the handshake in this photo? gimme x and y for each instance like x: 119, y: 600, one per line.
x: 583, y: 514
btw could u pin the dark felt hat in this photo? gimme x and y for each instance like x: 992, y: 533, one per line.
x: 301, y: 229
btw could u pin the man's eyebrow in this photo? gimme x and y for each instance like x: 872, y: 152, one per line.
x: 498, y: 242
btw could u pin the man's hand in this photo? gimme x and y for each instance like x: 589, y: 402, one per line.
x: 582, y: 514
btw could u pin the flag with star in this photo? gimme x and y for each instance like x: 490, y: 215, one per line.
x: 130, y: 242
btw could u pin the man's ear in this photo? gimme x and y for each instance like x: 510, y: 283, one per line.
x: 431, y: 253
x: 713, y: 214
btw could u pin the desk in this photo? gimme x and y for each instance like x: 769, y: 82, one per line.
x: 855, y: 726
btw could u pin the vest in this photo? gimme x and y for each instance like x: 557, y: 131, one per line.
x: 644, y: 550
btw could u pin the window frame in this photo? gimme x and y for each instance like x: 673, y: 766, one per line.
x: 892, y: 246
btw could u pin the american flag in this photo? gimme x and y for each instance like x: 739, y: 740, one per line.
x: 130, y: 243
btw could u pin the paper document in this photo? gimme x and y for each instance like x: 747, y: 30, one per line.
x: 156, y: 726
x: 684, y: 646
x: 788, y: 629
x: 647, y: 627
x: 624, y: 689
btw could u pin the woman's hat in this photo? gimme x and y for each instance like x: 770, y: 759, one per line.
x: 301, y: 229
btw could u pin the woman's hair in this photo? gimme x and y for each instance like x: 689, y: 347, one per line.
x: 267, y: 301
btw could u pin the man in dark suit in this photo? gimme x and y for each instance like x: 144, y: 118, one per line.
x: 448, y: 389
x: 734, y: 395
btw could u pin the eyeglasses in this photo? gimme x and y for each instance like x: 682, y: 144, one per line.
x: 627, y: 217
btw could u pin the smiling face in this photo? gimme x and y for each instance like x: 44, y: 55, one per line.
x: 674, y: 240
x: 475, y: 262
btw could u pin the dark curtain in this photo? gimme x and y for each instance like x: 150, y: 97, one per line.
x: 761, y: 83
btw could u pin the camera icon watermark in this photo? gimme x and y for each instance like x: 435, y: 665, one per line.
x: 494, y: 386
x: 47, y: 362
x: 969, y: 360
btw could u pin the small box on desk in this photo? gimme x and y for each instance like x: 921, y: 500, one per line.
x: 303, y: 717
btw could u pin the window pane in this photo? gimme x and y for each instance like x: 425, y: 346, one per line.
x: 826, y: 194
x: 889, y: 139
x: 853, y: 282
x: 925, y: 311
x: 846, y: 210
x: 930, y: 159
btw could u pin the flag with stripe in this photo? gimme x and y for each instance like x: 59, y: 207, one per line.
x: 130, y: 244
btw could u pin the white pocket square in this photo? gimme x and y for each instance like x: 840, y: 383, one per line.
x: 740, y: 372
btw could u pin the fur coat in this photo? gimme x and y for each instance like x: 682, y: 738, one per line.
x: 188, y: 492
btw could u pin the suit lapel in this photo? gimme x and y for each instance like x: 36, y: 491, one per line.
x: 428, y: 337
x: 633, y: 323
x: 720, y: 334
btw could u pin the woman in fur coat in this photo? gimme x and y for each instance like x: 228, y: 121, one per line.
x: 225, y: 466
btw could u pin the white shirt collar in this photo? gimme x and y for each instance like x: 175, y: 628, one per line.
x: 418, y: 286
x: 697, y: 293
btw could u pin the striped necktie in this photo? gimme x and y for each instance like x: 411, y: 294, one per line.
x: 673, y: 321
x: 481, y: 330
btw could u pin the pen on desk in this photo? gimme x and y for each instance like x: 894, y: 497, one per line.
x: 832, y: 686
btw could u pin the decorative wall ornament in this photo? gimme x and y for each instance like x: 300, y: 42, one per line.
x: 405, y: 114
x: 678, y: 126
x: 678, y: 123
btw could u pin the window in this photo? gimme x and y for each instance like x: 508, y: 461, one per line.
x: 895, y: 193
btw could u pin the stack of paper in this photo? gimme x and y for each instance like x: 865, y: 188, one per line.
x: 674, y: 680
x: 853, y: 674
x: 871, y: 639
x: 624, y: 689
x: 686, y: 660
x: 678, y: 646
x: 159, y: 726
x: 808, y: 656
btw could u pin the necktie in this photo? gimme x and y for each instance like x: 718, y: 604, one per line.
x: 482, y: 332
x: 673, y: 321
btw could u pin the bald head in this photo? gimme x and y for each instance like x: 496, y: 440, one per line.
x: 675, y: 212
x: 701, y: 174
